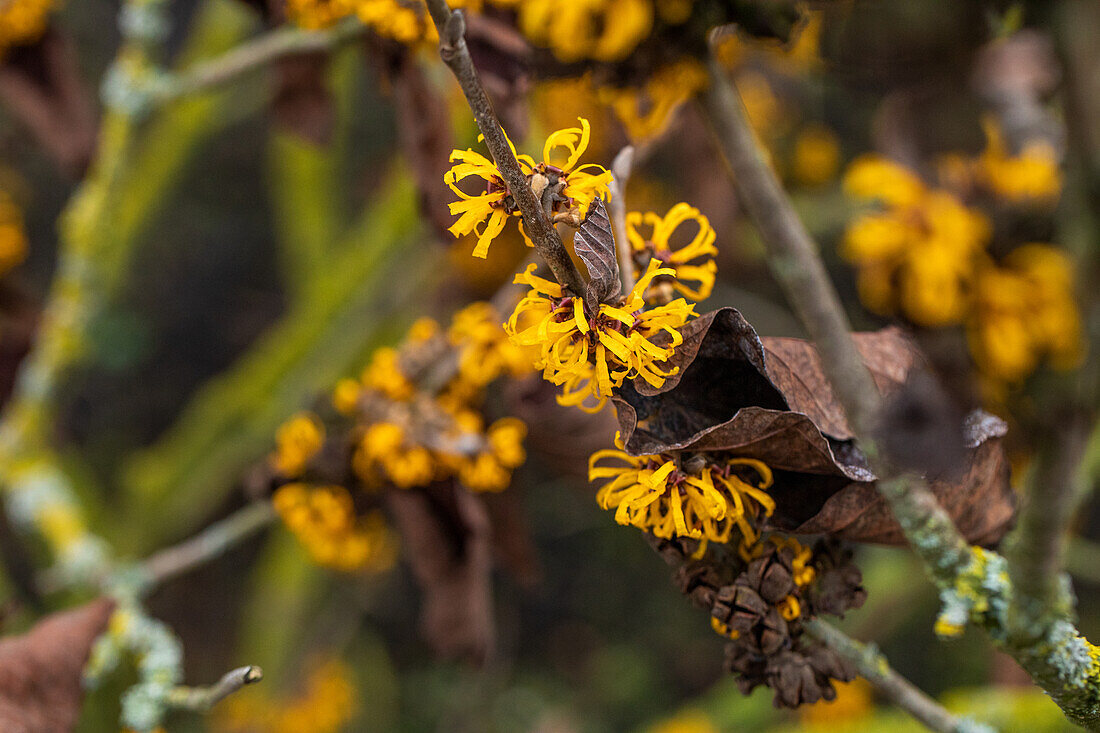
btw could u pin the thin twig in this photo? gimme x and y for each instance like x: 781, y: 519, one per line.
x: 1038, y: 545
x: 873, y: 666
x: 792, y: 253
x: 248, y: 57
x: 547, y: 241
x: 208, y: 544
x: 1057, y: 482
x: 621, y: 168
x: 943, y: 551
x: 201, y: 699
x: 795, y: 263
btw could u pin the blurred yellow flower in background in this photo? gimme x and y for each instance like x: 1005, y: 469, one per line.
x: 816, y: 155
x: 648, y: 111
x: 924, y: 255
x: 24, y: 21
x: 854, y: 701
x: 1025, y: 311
x: 318, y: 14
x: 324, y: 520
x: 686, y: 721
x: 296, y: 442
x: 915, y: 255
x: 13, y: 237
x: 325, y: 704
x: 601, y: 30
x: 1032, y: 175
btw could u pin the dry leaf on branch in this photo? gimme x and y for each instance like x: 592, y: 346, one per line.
x: 595, y: 245
x: 768, y: 399
x: 445, y: 533
x: 40, y: 671
x: 424, y: 131
x: 41, y: 84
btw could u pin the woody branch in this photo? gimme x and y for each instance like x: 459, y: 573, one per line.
x: 452, y: 47
x: 873, y: 666
x: 1053, y: 660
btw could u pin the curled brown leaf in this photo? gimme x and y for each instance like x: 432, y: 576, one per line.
x: 594, y: 243
x: 768, y: 399
x: 41, y: 84
x: 445, y: 533
x: 40, y: 671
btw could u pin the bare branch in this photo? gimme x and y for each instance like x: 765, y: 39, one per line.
x: 621, y: 168
x: 547, y: 241
x: 873, y: 666
x: 254, y: 55
x: 792, y: 254
x: 796, y: 264
x: 1039, y: 543
x: 208, y: 544
x: 202, y: 699
x: 1054, y: 661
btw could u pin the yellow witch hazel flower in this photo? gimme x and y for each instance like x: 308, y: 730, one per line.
x: 1030, y: 176
x: 491, y: 470
x: 296, y: 442
x: 386, y: 448
x: 592, y: 348
x: 691, y: 263
x: 816, y: 155
x: 485, y: 351
x: 1025, y: 311
x: 659, y: 495
x: 323, y: 519
x: 383, y: 374
x: 405, y: 21
x: 13, y: 237
x: 317, y: 14
x: 917, y: 254
x: 647, y: 112
x: 565, y: 187
x: 326, y: 704
x: 601, y: 30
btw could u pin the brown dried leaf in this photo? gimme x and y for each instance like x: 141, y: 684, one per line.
x: 594, y: 243
x: 445, y: 531
x: 40, y: 671
x: 981, y: 502
x: 303, y: 105
x: 424, y: 131
x: 794, y: 366
x: 502, y: 57
x: 767, y: 399
x: 42, y: 85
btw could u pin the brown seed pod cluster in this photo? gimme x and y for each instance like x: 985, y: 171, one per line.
x: 761, y: 606
x: 763, y: 613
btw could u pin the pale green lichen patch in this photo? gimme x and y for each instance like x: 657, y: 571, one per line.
x: 1072, y: 657
x: 157, y: 653
x: 969, y: 725
x: 979, y: 595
